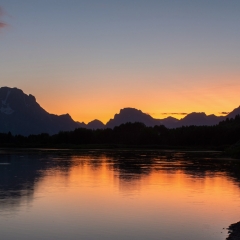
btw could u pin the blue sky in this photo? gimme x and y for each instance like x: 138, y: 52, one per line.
x: 91, y: 58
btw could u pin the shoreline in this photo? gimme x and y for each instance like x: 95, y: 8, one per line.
x: 234, y: 231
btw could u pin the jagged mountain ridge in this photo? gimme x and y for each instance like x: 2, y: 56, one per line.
x: 21, y: 114
x: 134, y: 115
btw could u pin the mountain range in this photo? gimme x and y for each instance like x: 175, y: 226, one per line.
x: 21, y: 114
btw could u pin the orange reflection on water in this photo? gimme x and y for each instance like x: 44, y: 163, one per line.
x: 97, y: 179
x: 98, y: 190
x: 115, y: 195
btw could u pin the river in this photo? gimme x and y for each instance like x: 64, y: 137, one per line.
x: 131, y: 194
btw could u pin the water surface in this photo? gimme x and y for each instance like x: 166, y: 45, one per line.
x: 117, y: 195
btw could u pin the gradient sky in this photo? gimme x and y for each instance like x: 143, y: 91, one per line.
x: 91, y: 58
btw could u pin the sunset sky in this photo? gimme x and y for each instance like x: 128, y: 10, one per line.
x: 90, y: 58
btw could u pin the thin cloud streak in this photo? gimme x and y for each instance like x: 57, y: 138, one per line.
x: 2, y: 24
x: 174, y: 113
x: 224, y: 113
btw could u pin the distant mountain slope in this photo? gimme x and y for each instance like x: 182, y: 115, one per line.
x: 199, y: 119
x: 132, y: 115
x: 95, y: 124
x: 21, y: 114
x: 235, y: 112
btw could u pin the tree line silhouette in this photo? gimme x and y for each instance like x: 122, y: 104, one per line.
x: 218, y: 136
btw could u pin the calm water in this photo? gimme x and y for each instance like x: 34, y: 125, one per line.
x: 117, y: 195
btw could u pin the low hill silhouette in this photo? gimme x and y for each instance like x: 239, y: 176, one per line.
x: 95, y: 124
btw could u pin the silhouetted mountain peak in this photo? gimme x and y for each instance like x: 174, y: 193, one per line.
x: 95, y: 121
x: 21, y: 114
x: 129, y: 110
x: 31, y: 98
x: 130, y: 115
x: 171, y: 119
x: 95, y: 124
x: 199, y: 119
x: 195, y: 115
x: 66, y: 116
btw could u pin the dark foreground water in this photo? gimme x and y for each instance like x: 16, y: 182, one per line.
x: 117, y: 195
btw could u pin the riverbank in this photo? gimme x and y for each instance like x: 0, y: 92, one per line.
x: 234, y: 231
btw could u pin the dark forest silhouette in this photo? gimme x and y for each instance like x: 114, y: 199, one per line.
x: 218, y: 137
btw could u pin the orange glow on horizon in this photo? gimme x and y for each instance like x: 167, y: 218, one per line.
x: 212, y: 95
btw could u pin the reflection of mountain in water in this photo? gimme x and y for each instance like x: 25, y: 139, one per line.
x: 20, y: 172
x: 17, y: 177
x: 132, y: 166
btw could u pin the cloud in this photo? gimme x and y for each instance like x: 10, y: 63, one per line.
x: 224, y: 113
x: 2, y: 24
x: 181, y: 113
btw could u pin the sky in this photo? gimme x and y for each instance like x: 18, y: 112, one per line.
x: 91, y: 58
